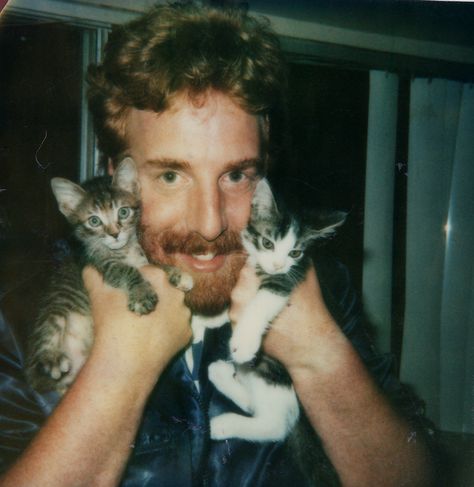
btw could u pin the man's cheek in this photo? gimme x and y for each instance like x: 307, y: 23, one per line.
x: 238, y: 211
x: 156, y: 214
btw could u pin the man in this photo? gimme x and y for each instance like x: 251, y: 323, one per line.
x: 193, y: 95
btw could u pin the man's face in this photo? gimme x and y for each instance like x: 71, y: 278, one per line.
x: 197, y: 168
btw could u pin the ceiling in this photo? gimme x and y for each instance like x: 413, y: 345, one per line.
x: 438, y: 30
x: 440, y: 21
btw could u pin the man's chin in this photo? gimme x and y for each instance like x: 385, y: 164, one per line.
x: 211, y: 291
x: 213, y: 281
x: 214, y: 267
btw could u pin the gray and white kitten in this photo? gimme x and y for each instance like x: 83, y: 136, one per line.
x: 277, y: 243
x: 104, y: 213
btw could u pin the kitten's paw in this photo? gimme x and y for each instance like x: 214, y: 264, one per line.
x: 182, y: 281
x: 221, y: 373
x: 244, y: 346
x: 222, y: 426
x: 54, y: 365
x: 142, y: 299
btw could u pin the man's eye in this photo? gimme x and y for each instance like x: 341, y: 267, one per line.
x: 236, y: 176
x: 237, y: 181
x: 171, y: 180
x: 169, y: 177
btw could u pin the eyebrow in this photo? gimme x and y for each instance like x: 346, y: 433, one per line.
x: 256, y: 163
x: 179, y: 164
x: 167, y: 163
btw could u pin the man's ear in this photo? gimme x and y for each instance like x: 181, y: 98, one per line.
x: 265, y: 126
x: 110, y: 166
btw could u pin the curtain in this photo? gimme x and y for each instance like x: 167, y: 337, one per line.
x: 438, y: 342
x: 379, y: 187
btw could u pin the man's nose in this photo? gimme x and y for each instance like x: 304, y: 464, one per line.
x: 206, y: 212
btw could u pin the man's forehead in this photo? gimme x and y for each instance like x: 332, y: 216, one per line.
x: 200, y: 107
x: 221, y: 131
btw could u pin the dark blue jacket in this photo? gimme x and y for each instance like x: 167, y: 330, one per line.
x: 172, y: 447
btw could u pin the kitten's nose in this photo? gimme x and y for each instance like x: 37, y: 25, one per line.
x: 113, y: 231
x: 278, y: 266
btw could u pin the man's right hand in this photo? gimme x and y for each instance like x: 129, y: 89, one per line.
x: 138, y: 344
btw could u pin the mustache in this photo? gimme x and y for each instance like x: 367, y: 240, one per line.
x: 192, y: 243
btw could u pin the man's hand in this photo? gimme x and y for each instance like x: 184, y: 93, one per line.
x: 87, y: 439
x: 293, y: 335
x: 137, y: 342
x: 363, y: 436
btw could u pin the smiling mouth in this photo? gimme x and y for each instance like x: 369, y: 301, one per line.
x: 204, y: 257
x: 208, y: 262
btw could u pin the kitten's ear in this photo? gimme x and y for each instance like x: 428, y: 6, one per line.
x: 68, y: 195
x: 263, y: 202
x: 126, y: 176
x: 325, y: 223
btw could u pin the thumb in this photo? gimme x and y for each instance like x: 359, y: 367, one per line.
x: 93, y: 281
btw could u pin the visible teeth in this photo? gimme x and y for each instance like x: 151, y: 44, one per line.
x: 208, y: 256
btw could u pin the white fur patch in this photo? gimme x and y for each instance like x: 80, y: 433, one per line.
x: 274, y: 408
x: 135, y: 256
x: 199, y: 324
x: 253, y: 322
x: 276, y: 260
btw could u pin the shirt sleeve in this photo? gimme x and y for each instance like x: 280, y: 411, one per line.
x: 22, y: 410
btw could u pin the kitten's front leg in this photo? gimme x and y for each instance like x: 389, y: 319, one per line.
x: 254, y: 321
x: 142, y: 298
x: 224, y: 377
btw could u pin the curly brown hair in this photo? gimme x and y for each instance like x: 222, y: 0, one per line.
x: 185, y: 48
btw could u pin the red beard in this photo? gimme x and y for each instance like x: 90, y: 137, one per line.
x: 211, y: 291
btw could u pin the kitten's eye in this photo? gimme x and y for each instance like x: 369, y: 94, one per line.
x: 296, y: 254
x: 94, y: 221
x: 124, y: 212
x: 267, y: 244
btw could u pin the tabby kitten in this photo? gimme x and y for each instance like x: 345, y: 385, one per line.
x: 277, y: 243
x: 104, y: 213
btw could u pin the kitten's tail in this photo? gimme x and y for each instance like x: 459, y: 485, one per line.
x: 306, y: 448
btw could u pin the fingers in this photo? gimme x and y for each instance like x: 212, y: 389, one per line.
x: 156, y: 276
x: 108, y: 301
x: 245, y: 289
x: 154, y: 337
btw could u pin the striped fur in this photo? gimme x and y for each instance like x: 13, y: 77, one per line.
x: 104, y: 213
